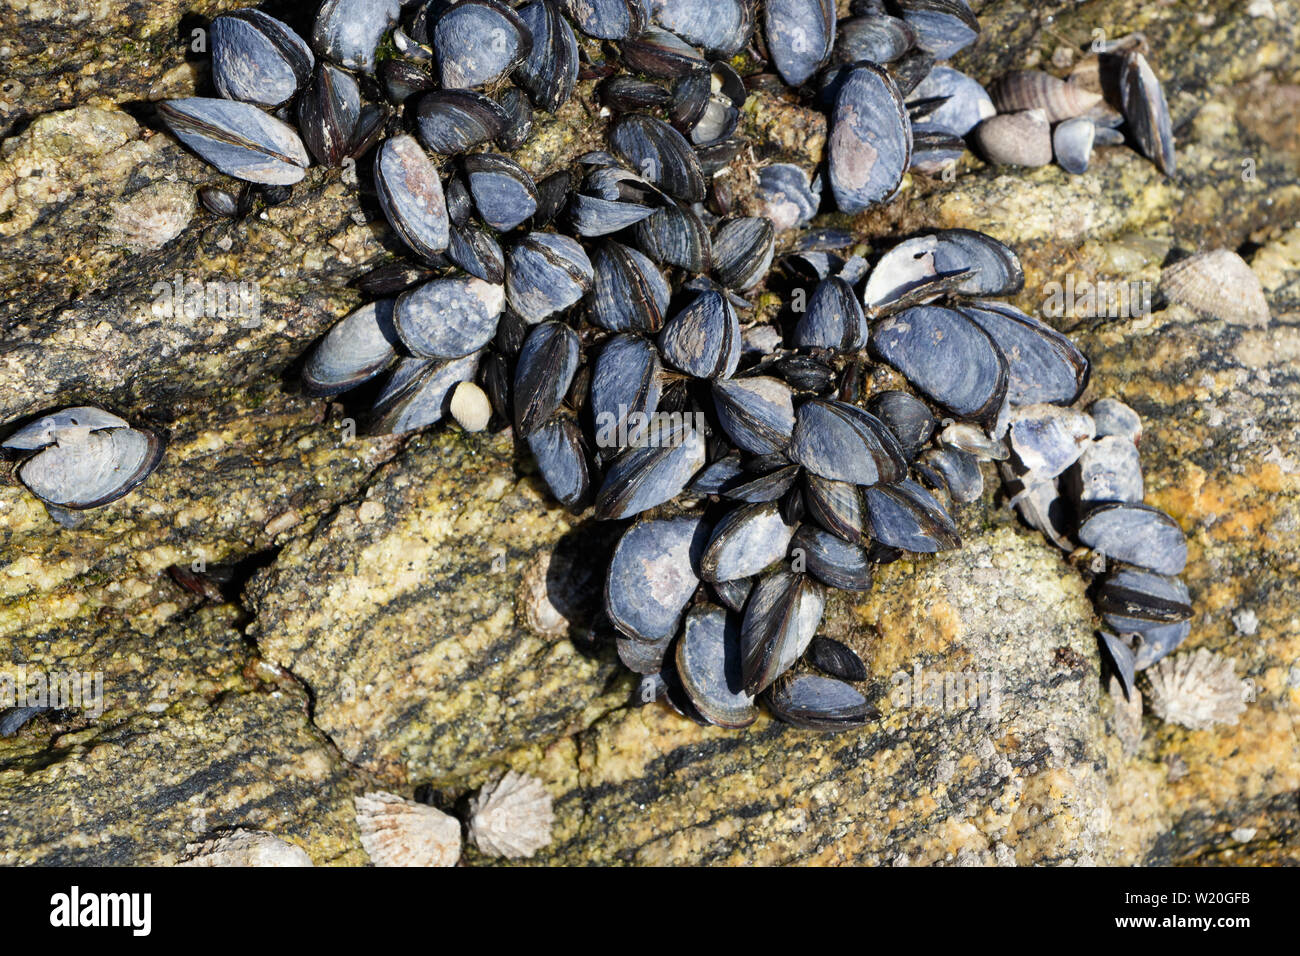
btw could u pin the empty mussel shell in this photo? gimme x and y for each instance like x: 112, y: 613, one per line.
x: 448, y: 318
x: 962, y: 104
x: 906, y: 416
x: 1136, y: 534
x: 643, y: 478
x: 547, y: 364
x: 450, y: 122
x: 833, y: 319
x: 608, y: 19
x: 504, y: 194
x: 557, y: 446
x: 1042, y: 364
x: 418, y: 390
x: 348, y: 32
x: 836, y: 659
x: 1015, y: 139
x: 742, y: 251
x: 974, y: 441
x: 1121, y: 658
x: 1146, y: 111
x: 830, y: 559
x: 256, y: 58
x: 800, y: 35
x: 1109, y: 469
x: 1155, y: 641
x: 842, y: 442
x: 355, y: 350
x: 1113, y: 417
x: 943, y: 27
x: 757, y: 412
x: 960, y: 472
x: 993, y: 266
x: 948, y: 357
x: 660, y: 154
x: 625, y: 388
x: 550, y: 71
x: 810, y: 702
x: 709, y: 665
x: 870, y: 142
x: 786, y: 196
x: 67, y: 422
x: 746, y: 541
x: 238, y: 139
x: 546, y: 273
x: 908, y: 274
x: 1072, y: 144
x: 1039, y: 502
x: 88, y: 466
x: 629, y: 293
x: 1048, y: 439
x: 782, y: 614
x: 476, y: 42
x: 703, y: 339
x: 720, y: 26
x: 410, y: 193
x: 907, y: 517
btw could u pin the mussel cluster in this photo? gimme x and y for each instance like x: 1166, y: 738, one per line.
x: 600, y: 312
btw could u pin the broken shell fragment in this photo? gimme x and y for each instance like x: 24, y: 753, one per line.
x: 245, y: 848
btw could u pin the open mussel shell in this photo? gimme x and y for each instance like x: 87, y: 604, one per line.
x: 347, y: 32
x: 959, y: 471
x: 709, y: 666
x: 1110, y: 469
x: 993, y: 266
x: 842, y: 442
x: 831, y: 559
x: 625, y: 388
x: 359, y: 347
x: 1039, y: 502
x: 660, y: 154
x: 742, y: 251
x: 1121, y: 659
x: 810, y: 702
x: 477, y: 42
x: 703, y: 339
x: 238, y: 139
x: 782, y: 614
x: 788, y: 198
x: 611, y: 199
x: 1043, y: 364
x: 839, y: 507
x: 720, y: 26
x: 908, y: 275
x: 706, y: 104
x: 504, y: 194
x: 1015, y: 139
x: 746, y: 541
x: 673, y: 235
x: 450, y: 122
x: 557, y: 446
x: 948, y: 357
x: 88, y: 467
x: 1156, y: 641
x: 448, y: 318
x: 757, y: 412
x: 608, y: 19
x: 1136, y: 534
x: 906, y: 416
x: 1072, y: 143
x: 256, y: 58
x: 410, y: 193
x: 836, y: 659
x: 652, y: 576
x: 418, y: 391
x: 1034, y: 89
x: 800, y: 35
x: 962, y: 104
x: 643, y: 478
x: 875, y: 38
x: 546, y: 273
x: 546, y: 366
x: 657, y: 52
x: 629, y: 293
x: 1146, y: 111
x: 475, y: 249
x: 870, y: 142
x: 834, y: 320
x: 1048, y: 439
x: 907, y: 517
x: 550, y: 71
x: 933, y: 152
x: 48, y: 429
x: 943, y: 27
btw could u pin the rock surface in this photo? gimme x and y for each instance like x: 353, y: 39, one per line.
x: 416, y: 615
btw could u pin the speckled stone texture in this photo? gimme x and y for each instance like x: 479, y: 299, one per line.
x: 416, y: 614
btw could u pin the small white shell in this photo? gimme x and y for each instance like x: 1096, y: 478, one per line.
x: 512, y: 817
x: 1196, y: 690
x: 399, y: 832
x: 1218, y: 283
x: 245, y: 848
x: 470, y: 407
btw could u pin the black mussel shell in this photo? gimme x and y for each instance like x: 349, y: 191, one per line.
x: 547, y: 364
x: 836, y: 659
